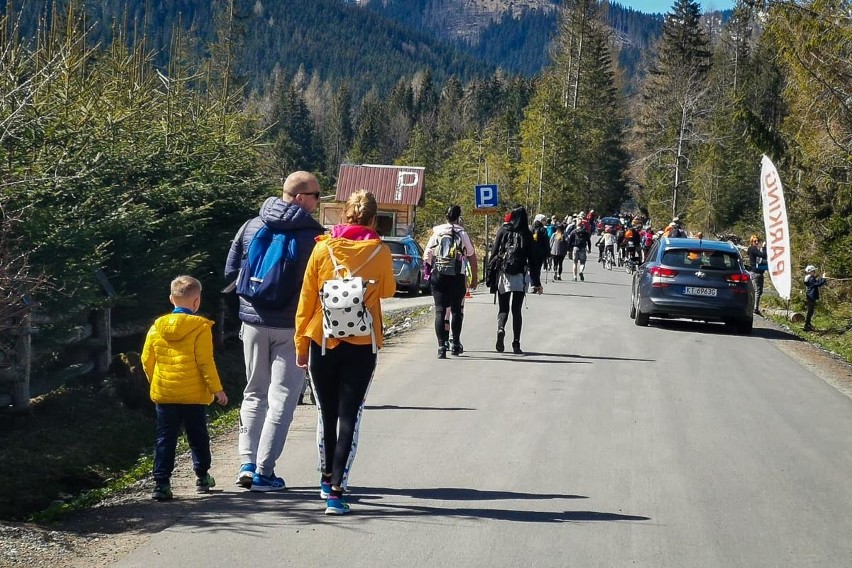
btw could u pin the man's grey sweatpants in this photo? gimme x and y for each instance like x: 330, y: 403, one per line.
x: 273, y: 387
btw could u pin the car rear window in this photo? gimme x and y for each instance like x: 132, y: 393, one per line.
x: 703, y: 259
x: 396, y: 247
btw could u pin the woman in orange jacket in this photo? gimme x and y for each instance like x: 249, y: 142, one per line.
x: 341, y: 369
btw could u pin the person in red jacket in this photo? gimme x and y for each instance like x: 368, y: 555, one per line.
x: 178, y: 361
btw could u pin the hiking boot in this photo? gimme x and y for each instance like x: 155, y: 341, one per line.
x: 265, y: 483
x: 456, y: 348
x: 336, y: 506
x: 204, y: 483
x: 162, y: 492
x: 582, y: 279
x: 516, y: 348
x: 500, y: 346
x: 245, y: 475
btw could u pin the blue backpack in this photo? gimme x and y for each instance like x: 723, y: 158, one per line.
x: 268, y: 275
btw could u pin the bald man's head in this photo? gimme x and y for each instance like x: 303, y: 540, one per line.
x: 300, y: 182
x: 303, y: 189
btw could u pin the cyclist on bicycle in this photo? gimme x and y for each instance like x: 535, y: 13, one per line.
x: 632, y: 243
x: 609, y: 244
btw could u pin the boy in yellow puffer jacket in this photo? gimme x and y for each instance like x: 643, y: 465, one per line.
x: 178, y: 361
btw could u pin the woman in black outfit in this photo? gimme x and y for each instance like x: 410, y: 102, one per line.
x: 514, y: 266
x: 757, y: 261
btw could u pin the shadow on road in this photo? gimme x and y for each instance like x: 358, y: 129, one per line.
x: 531, y: 357
x: 513, y: 515
x: 455, y: 494
x: 254, y: 513
x: 395, y: 407
x: 301, y: 505
x: 715, y: 328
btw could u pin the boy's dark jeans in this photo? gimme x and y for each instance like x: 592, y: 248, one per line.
x: 193, y: 417
x: 811, y: 304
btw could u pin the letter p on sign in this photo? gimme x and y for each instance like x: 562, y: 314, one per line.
x: 486, y: 196
x: 405, y: 179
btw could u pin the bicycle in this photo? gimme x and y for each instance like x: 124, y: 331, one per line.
x: 609, y: 258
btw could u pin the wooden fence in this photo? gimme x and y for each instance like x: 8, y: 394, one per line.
x: 32, y: 364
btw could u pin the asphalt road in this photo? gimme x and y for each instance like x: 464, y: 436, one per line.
x: 676, y: 445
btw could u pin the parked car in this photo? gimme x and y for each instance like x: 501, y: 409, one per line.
x: 695, y: 279
x: 407, y: 264
x: 612, y: 222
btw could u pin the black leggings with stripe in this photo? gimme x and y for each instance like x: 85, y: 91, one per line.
x: 340, y: 380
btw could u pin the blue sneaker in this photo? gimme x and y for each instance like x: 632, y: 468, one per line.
x: 267, y: 483
x: 244, y: 477
x: 336, y: 506
x: 325, y: 489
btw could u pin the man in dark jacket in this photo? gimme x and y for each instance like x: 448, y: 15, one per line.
x: 579, y: 242
x: 274, y: 383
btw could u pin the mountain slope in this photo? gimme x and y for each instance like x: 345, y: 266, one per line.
x: 513, y: 34
x: 339, y: 42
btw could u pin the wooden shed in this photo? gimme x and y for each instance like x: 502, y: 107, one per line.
x: 398, y: 191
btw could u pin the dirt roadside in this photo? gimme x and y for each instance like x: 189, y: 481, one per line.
x: 100, y: 536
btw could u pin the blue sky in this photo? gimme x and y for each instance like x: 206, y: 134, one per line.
x: 663, y: 6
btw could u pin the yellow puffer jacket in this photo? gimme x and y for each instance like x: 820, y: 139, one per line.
x: 178, y: 360
x: 351, y: 253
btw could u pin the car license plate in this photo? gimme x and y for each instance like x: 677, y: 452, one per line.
x: 694, y: 291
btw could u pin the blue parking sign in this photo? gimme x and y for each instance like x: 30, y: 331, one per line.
x: 486, y: 196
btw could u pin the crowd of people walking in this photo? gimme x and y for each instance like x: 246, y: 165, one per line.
x: 310, y: 302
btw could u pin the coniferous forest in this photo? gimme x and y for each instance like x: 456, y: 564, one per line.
x: 137, y: 136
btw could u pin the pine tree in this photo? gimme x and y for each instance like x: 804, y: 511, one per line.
x: 674, y: 99
x: 337, y: 137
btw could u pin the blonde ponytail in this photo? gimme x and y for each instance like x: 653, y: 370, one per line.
x: 361, y: 208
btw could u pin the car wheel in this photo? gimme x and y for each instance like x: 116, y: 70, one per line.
x: 632, y: 308
x: 641, y: 318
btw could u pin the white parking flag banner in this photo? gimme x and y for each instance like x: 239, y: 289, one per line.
x: 777, y: 228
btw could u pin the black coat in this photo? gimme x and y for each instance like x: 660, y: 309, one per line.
x: 533, y: 259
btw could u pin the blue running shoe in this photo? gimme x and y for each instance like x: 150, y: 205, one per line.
x: 336, y: 506
x: 245, y: 475
x: 325, y: 489
x: 267, y: 483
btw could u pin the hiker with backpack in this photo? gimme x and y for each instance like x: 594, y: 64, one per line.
x: 339, y: 332
x: 447, y: 252
x: 268, y: 257
x: 579, y: 243
x: 511, y: 270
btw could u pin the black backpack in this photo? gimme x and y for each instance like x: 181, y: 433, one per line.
x: 513, y: 253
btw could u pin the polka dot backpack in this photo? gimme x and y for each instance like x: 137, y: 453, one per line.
x: 343, y: 311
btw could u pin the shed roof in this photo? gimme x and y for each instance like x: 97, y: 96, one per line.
x: 390, y: 184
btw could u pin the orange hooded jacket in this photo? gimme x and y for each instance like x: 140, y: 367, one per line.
x: 351, y: 253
